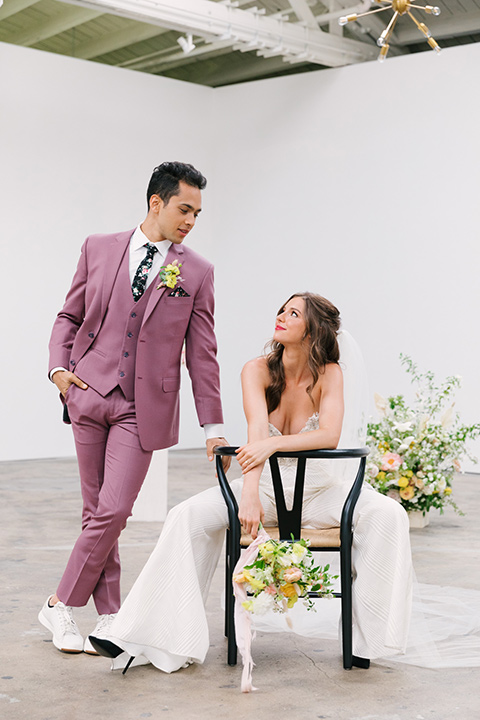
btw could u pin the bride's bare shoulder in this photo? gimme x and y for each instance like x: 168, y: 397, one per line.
x: 256, y: 369
x: 332, y: 375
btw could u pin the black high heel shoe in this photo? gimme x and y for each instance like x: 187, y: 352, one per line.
x: 360, y: 662
x: 108, y: 649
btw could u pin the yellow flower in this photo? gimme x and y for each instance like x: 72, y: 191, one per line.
x: 407, y: 493
x: 447, y: 491
x: 248, y: 605
x: 256, y: 584
x: 266, y: 549
x: 240, y: 578
x: 381, y: 475
x: 171, y: 282
x: 288, y: 590
x: 409, y: 473
x: 403, y: 482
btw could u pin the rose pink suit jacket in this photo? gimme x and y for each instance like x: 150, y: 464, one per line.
x: 167, y: 322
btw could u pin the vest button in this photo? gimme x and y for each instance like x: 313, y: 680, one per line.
x: 122, y: 374
x: 125, y: 354
x: 129, y: 334
x: 90, y: 335
x: 134, y: 315
x: 72, y: 362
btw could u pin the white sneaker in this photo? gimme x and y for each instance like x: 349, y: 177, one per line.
x: 59, y: 620
x: 102, y: 630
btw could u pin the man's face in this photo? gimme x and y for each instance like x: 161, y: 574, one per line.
x: 175, y: 219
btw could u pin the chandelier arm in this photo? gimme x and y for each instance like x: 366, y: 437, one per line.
x: 386, y: 34
x: 369, y: 12
x: 421, y: 26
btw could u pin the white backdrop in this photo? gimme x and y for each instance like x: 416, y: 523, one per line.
x: 360, y: 183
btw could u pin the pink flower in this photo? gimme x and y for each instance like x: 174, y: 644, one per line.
x: 271, y: 590
x: 391, y: 461
x: 291, y: 575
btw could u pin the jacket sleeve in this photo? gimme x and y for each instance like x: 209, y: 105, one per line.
x: 70, y: 317
x: 201, y: 354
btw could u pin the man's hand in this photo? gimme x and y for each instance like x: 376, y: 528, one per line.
x: 63, y: 379
x: 212, y: 443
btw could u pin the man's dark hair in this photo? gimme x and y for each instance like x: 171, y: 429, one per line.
x: 167, y: 176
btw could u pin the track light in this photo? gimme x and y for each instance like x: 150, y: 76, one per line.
x: 186, y: 43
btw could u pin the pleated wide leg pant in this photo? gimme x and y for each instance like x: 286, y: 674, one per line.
x: 163, y: 617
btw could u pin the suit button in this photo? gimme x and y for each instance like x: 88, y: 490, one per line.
x: 122, y: 374
x: 91, y: 335
x: 72, y: 362
x: 129, y: 334
x: 134, y: 315
x: 125, y: 354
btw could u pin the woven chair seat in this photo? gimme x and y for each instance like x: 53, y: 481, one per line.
x: 319, y: 538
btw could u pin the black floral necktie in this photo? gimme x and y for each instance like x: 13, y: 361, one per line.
x: 140, y: 280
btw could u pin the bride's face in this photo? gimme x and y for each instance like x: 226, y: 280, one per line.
x: 290, y: 325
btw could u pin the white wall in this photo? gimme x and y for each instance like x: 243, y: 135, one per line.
x: 360, y: 183
x: 78, y: 143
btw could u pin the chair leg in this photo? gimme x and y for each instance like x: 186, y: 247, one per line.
x: 346, y: 586
x: 230, y: 604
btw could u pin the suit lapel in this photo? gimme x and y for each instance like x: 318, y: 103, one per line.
x: 116, y: 252
x: 175, y: 253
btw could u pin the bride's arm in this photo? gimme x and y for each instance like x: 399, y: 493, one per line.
x: 254, y: 382
x: 327, y: 436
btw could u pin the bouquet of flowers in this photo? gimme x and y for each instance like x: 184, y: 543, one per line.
x: 282, y: 573
x: 414, y: 452
x: 276, y: 573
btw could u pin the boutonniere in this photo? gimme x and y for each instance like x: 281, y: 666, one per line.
x: 169, y: 275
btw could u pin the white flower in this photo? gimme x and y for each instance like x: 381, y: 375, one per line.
x: 373, y: 470
x: 441, y: 484
x: 402, y: 427
x: 381, y: 404
x: 394, y: 494
x: 262, y: 603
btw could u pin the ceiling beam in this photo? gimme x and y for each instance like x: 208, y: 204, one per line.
x: 12, y: 7
x: 177, y: 59
x: 213, y: 20
x: 68, y: 18
x: 440, y: 27
x: 135, y: 32
x: 304, y: 12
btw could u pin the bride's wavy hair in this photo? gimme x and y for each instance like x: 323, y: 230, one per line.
x: 322, y: 320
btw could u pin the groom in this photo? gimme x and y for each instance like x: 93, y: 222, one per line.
x: 115, y: 356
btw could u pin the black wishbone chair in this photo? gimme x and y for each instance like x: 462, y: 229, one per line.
x: 290, y: 522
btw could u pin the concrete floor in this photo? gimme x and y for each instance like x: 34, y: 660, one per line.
x: 297, y: 677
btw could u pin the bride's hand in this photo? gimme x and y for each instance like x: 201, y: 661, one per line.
x: 250, y: 512
x: 255, y: 453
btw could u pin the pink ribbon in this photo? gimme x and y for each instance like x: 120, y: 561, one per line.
x: 243, y: 625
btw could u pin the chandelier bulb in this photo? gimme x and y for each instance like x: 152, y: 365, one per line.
x: 347, y: 18
x: 433, y: 44
x: 432, y: 9
x: 383, y: 53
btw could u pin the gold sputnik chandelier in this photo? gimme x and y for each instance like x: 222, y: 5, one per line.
x: 399, y: 7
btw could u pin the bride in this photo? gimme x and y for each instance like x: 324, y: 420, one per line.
x: 293, y: 400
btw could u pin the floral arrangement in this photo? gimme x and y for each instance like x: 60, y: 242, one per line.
x: 414, y: 452
x: 169, y: 275
x: 282, y: 573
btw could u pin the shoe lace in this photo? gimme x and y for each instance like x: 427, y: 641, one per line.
x: 67, y: 622
x: 103, y: 623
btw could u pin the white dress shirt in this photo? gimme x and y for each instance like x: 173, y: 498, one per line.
x: 137, y: 252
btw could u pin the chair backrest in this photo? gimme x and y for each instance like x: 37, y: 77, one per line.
x: 290, y: 521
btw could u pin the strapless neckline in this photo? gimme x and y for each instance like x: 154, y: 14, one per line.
x: 305, y: 428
